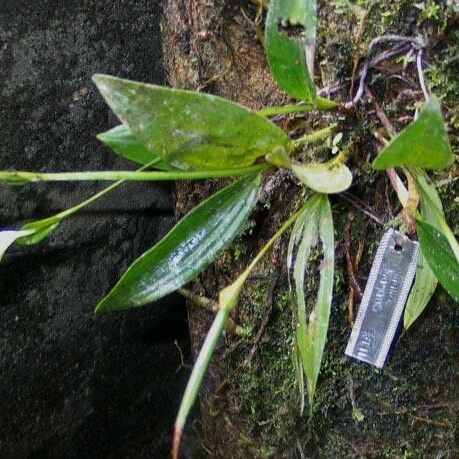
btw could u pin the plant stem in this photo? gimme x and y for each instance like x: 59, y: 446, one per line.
x: 321, y: 105
x: 210, y: 305
x: 208, y: 348
x: 315, y: 136
x: 197, y: 375
x: 95, y: 197
x: 261, y: 3
x: 22, y: 177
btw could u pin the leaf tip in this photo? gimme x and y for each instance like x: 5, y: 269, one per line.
x: 101, y: 307
x: 104, y: 83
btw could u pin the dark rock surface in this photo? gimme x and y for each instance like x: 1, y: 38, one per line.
x: 73, y: 384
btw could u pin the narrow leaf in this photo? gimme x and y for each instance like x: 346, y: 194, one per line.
x: 316, y: 223
x: 121, y: 140
x: 423, y: 143
x: 191, y: 130
x: 436, y: 215
x: 440, y: 256
x: 318, y: 321
x: 324, y: 177
x: 291, y: 27
x: 187, y: 249
x: 425, y: 282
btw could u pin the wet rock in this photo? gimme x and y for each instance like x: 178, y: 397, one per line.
x: 73, y: 384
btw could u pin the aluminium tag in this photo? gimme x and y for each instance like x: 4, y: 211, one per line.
x: 384, y: 298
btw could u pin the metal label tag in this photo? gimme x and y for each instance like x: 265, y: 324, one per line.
x: 383, y: 301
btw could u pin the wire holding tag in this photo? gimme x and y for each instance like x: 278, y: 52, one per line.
x: 384, y: 299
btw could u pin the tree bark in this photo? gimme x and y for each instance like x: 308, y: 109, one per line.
x: 250, y: 404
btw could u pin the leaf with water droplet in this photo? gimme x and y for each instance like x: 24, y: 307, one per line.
x: 423, y: 143
x: 425, y: 281
x: 191, y: 130
x: 187, y: 249
x: 441, y: 258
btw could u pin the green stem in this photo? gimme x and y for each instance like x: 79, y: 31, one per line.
x: 287, y: 224
x: 321, y: 105
x: 208, y: 348
x: 21, y: 177
x: 210, y: 305
x: 199, y: 369
x: 95, y: 197
x: 315, y: 136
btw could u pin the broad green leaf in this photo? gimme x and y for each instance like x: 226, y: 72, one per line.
x: 187, y: 249
x: 423, y: 143
x: 9, y: 237
x: 314, y: 223
x: 121, y: 140
x: 324, y: 177
x: 425, y: 282
x: 291, y: 27
x: 440, y: 256
x: 191, y: 130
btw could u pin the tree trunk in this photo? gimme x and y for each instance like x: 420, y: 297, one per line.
x: 250, y: 403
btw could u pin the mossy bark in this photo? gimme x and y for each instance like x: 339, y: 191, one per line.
x: 250, y: 404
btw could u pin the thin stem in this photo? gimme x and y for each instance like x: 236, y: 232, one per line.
x: 315, y: 136
x: 210, y: 305
x: 321, y: 105
x: 261, y: 3
x: 22, y: 177
x: 95, y: 197
x: 197, y: 375
x: 422, y: 80
x: 287, y: 224
x: 415, y: 43
x: 208, y: 348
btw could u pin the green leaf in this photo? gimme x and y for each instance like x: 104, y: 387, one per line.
x: 290, y: 38
x: 40, y: 229
x: 436, y: 216
x: 425, y: 282
x: 324, y: 177
x: 440, y: 256
x: 191, y: 130
x: 314, y: 223
x: 423, y: 143
x: 187, y: 249
x: 121, y: 140
x: 423, y: 288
